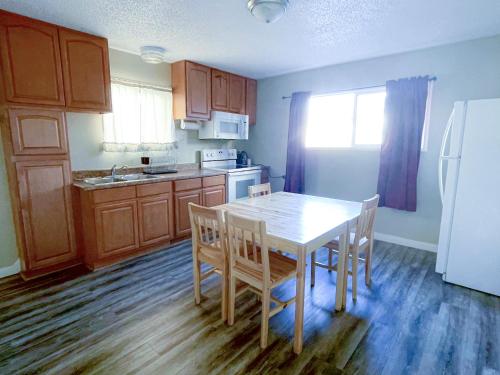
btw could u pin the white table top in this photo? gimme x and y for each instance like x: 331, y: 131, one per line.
x: 300, y: 220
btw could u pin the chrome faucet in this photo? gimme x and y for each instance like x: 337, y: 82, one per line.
x: 113, y: 170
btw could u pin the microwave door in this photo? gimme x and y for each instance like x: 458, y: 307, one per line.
x: 228, y: 130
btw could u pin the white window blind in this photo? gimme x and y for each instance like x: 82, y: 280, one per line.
x: 141, y: 120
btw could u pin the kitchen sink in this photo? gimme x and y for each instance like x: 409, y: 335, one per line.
x: 136, y: 177
x: 119, y: 178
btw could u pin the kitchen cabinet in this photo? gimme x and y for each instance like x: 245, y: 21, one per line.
x: 220, y: 90
x: 121, y: 222
x: 182, y: 200
x: 85, y: 64
x: 31, y: 61
x: 38, y: 131
x: 192, y: 90
x: 251, y: 101
x: 43, y: 64
x: 155, y: 219
x: 237, y: 94
x: 198, y: 89
x: 214, y: 196
x: 46, y: 213
x: 116, y: 228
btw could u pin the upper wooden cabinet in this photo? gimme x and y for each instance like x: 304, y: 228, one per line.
x: 38, y: 131
x: 31, y: 61
x: 46, y: 213
x: 251, y: 101
x: 220, y: 90
x: 192, y: 92
x: 85, y: 62
x: 43, y: 64
x: 237, y: 94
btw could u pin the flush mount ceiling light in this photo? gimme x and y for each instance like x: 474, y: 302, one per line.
x: 152, y: 54
x: 267, y: 11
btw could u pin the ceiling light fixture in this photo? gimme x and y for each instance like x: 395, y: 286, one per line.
x: 267, y: 11
x: 152, y: 54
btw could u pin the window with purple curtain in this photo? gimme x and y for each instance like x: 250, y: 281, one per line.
x: 296, y: 151
x: 400, y: 151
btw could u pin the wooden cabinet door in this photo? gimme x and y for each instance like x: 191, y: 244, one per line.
x: 31, y: 61
x: 116, y: 228
x: 237, y: 93
x: 182, y: 199
x: 156, y: 218
x: 220, y: 90
x: 214, y: 196
x: 251, y: 101
x: 46, y: 209
x: 198, y: 91
x: 85, y: 62
x: 38, y: 131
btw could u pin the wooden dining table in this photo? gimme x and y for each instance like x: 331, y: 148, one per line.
x: 300, y: 224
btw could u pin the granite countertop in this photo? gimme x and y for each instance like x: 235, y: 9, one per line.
x: 180, y: 175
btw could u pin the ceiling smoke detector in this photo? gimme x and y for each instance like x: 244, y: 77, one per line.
x: 152, y: 54
x: 267, y: 11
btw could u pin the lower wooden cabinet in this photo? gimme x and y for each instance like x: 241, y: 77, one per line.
x: 120, y: 222
x: 116, y: 228
x: 214, y: 196
x: 182, y: 200
x: 156, y: 219
x: 46, y: 213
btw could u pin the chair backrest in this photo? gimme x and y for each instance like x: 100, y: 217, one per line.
x: 364, y: 227
x: 207, y: 227
x: 258, y: 190
x: 246, y: 236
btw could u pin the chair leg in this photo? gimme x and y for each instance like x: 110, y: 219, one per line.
x: 197, y: 281
x: 355, y: 261
x: 368, y: 264
x: 264, y: 325
x: 330, y: 260
x: 313, y: 268
x: 224, y: 287
x: 232, y: 298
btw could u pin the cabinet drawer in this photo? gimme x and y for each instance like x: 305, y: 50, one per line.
x: 154, y: 189
x: 214, y: 180
x: 114, y: 194
x: 189, y: 184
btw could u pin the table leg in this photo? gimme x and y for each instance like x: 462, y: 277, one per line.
x: 341, y: 268
x: 299, y: 301
x: 346, y: 264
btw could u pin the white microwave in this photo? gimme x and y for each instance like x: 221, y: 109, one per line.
x: 224, y: 125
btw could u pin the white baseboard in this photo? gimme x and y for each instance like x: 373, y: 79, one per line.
x: 406, y: 242
x: 10, y: 270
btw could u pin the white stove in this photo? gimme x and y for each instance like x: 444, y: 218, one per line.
x: 239, y: 177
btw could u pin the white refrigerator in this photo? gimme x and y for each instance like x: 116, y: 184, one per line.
x: 469, y: 164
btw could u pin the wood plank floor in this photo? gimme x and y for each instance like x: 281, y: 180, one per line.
x: 139, y: 317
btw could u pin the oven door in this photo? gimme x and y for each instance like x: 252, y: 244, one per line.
x: 238, y: 183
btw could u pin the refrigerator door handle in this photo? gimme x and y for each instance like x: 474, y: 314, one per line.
x: 442, y: 156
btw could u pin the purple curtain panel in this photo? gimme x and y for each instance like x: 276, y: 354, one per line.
x: 400, y: 151
x: 295, y: 156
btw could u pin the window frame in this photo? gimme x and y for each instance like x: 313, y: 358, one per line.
x: 374, y: 147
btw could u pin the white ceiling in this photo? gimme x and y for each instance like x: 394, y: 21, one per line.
x: 313, y: 33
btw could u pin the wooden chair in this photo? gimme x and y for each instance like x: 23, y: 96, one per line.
x: 258, y: 190
x: 361, y: 239
x: 252, y: 261
x: 209, y: 246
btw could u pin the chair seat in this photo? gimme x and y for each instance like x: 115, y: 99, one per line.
x: 281, y: 267
x: 335, y: 243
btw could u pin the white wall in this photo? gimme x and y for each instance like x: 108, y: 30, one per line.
x: 469, y: 70
x: 85, y: 130
x: 8, y: 247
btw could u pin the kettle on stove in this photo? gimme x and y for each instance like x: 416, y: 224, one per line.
x: 242, y: 158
